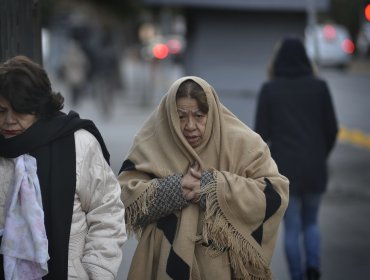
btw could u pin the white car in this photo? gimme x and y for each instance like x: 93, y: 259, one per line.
x: 329, y: 44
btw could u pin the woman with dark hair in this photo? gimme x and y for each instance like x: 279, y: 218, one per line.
x: 201, y: 191
x: 61, y: 213
x: 295, y: 115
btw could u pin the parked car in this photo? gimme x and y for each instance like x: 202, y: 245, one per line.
x: 329, y: 44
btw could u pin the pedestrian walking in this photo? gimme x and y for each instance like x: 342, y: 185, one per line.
x: 295, y: 115
x: 201, y: 191
x: 61, y: 212
x: 74, y: 71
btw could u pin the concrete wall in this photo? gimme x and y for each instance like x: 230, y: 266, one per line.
x: 231, y: 49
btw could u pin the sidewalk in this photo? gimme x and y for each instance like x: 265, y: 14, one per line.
x: 360, y: 66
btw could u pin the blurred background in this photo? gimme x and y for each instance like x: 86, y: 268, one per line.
x: 114, y: 59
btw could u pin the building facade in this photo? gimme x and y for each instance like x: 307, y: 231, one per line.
x: 230, y: 42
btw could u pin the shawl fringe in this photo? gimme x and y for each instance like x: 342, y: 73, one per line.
x: 137, y: 209
x: 245, y: 261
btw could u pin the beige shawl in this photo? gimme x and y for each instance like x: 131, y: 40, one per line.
x: 244, y: 208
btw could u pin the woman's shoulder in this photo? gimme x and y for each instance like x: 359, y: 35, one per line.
x: 83, y: 136
x: 271, y: 86
x: 84, y: 141
x: 240, y: 133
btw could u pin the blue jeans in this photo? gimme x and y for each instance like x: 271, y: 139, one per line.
x: 301, y: 221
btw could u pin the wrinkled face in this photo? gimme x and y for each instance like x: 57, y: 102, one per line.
x: 13, y: 123
x: 192, y: 120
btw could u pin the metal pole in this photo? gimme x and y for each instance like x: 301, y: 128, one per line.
x: 311, y: 13
x: 20, y: 29
x: 311, y: 23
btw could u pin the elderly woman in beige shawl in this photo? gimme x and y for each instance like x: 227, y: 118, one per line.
x: 201, y: 191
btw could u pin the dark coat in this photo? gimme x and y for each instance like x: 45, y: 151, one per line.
x: 295, y: 115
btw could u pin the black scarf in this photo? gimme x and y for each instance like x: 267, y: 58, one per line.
x: 52, y: 143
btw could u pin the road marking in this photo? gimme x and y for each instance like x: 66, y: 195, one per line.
x: 355, y: 137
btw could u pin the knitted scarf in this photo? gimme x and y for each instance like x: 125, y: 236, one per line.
x: 244, y: 205
x: 51, y: 142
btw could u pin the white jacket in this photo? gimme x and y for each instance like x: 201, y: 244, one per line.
x: 98, y: 228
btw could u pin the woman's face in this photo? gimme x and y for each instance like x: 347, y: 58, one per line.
x: 192, y: 120
x: 13, y: 123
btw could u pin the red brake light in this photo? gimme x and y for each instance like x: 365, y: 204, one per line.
x: 160, y: 51
x: 329, y: 32
x: 174, y: 46
x: 348, y: 46
x: 367, y: 12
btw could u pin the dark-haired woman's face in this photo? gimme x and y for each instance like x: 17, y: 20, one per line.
x: 192, y: 120
x: 13, y: 123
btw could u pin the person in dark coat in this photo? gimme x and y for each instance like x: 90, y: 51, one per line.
x: 295, y: 115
